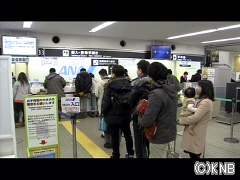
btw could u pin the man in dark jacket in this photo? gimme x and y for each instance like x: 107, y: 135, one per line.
x: 162, y: 108
x: 54, y: 83
x: 114, y: 120
x: 83, y: 85
x: 141, y: 89
x: 173, y: 80
x: 197, y: 77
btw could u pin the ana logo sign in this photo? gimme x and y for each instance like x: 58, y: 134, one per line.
x: 70, y: 70
x: 70, y: 99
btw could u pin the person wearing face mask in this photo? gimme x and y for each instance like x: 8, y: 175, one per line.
x: 194, y: 145
x: 183, y: 78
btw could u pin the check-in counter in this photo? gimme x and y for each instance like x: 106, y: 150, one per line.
x: 35, y: 87
x: 69, y: 90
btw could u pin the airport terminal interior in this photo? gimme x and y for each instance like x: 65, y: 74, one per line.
x: 36, y: 47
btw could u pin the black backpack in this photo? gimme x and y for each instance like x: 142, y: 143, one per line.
x: 121, y: 101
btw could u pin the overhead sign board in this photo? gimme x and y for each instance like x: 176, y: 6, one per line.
x: 104, y: 62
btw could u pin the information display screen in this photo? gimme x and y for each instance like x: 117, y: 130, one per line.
x: 160, y: 52
x: 26, y: 46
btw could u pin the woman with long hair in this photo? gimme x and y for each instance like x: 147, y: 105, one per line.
x: 194, y: 145
x: 21, y: 88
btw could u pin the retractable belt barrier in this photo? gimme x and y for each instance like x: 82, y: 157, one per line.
x: 73, y: 117
x: 234, y: 101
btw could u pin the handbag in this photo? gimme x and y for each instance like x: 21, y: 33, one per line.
x: 141, y: 107
x: 102, y: 125
x: 151, y: 131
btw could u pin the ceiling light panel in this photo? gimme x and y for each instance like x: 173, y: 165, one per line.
x: 102, y: 26
x: 206, y: 31
x: 193, y: 34
x: 221, y: 40
x: 27, y: 24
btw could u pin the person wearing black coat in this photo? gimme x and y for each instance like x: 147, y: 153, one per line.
x: 197, y: 77
x: 141, y: 89
x: 183, y: 78
x: 115, y: 121
x: 83, y: 85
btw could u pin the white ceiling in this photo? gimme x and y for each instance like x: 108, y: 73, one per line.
x: 141, y: 30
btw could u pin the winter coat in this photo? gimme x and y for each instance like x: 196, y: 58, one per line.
x: 94, y: 84
x: 162, y: 108
x: 99, y: 92
x: 54, y: 84
x: 185, y: 111
x: 196, y: 143
x: 173, y: 80
x: 196, y: 77
x: 182, y: 79
x: 141, y: 89
x: 19, y: 91
x: 83, y: 82
x: 110, y: 116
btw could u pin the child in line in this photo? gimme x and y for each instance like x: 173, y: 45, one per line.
x: 188, y: 107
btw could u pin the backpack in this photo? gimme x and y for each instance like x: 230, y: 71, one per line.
x: 121, y: 101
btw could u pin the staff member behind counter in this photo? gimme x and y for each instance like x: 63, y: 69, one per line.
x: 54, y: 83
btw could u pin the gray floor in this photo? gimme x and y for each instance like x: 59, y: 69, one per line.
x: 216, y: 147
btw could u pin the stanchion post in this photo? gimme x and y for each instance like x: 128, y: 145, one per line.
x: 231, y: 139
x: 73, y: 118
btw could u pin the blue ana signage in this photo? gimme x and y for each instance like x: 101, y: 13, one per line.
x: 70, y: 70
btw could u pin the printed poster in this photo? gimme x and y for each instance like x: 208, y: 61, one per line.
x: 41, y: 120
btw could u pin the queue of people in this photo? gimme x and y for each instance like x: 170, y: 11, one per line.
x: 117, y: 98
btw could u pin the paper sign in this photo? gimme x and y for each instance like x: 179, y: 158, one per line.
x: 41, y: 119
x: 70, y: 104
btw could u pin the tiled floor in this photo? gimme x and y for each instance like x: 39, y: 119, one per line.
x: 216, y: 147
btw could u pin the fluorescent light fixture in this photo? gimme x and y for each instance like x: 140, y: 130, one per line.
x: 27, y: 24
x: 221, y: 40
x: 229, y: 27
x: 102, y: 26
x: 207, y: 31
x: 193, y: 34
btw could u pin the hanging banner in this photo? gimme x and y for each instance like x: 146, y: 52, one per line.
x: 41, y: 120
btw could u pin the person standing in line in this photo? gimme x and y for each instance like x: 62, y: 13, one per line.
x: 117, y: 120
x: 195, y: 145
x: 141, y: 89
x: 162, y: 109
x: 99, y: 93
x: 21, y: 88
x: 173, y: 80
x: 93, y: 112
x: 183, y: 78
x: 197, y: 77
x: 13, y: 79
x: 54, y: 83
x: 83, y: 85
x: 126, y: 74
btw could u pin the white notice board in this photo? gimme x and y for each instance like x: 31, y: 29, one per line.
x: 41, y: 119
